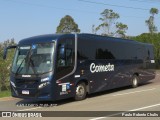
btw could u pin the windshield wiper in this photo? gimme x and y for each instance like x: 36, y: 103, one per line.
x: 30, y: 61
x: 22, y: 63
x: 32, y: 64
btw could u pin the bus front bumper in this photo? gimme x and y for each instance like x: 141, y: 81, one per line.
x: 34, y: 94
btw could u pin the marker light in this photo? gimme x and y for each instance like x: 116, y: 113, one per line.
x: 43, y: 85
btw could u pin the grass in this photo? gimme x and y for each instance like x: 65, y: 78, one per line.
x: 5, y: 93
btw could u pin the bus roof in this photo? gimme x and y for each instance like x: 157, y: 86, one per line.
x: 51, y: 37
x: 112, y: 39
x: 42, y: 38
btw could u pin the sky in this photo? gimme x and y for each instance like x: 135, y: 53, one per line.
x: 20, y: 19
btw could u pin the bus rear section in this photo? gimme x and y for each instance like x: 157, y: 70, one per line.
x: 108, y: 63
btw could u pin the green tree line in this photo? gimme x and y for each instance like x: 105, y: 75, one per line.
x: 5, y: 65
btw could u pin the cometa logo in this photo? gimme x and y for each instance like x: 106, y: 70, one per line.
x: 101, y: 68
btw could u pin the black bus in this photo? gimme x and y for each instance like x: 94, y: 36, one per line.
x: 59, y: 66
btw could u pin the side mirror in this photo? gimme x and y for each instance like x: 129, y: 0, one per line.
x: 6, y: 51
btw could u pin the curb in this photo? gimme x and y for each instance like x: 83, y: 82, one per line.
x: 7, y: 98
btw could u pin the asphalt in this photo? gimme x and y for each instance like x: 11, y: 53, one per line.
x: 109, y: 104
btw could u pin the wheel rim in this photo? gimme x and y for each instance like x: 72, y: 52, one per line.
x: 135, y: 82
x: 80, y: 90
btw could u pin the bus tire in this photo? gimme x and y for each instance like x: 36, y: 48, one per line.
x: 135, y: 81
x: 81, y: 91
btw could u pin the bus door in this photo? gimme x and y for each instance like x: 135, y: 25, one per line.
x: 65, y: 64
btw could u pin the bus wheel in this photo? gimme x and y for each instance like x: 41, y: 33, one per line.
x: 135, y: 81
x: 80, y: 91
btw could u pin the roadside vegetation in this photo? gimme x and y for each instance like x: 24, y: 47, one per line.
x: 5, y: 68
x: 5, y: 93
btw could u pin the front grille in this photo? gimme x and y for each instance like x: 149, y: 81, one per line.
x: 27, y: 83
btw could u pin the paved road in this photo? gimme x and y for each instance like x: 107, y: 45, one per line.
x: 144, y: 98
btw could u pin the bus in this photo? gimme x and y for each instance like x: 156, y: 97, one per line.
x: 60, y: 66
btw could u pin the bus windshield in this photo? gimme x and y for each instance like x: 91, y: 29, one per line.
x: 33, y: 59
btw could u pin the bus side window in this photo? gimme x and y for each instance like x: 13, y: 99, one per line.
x: 65, y: 58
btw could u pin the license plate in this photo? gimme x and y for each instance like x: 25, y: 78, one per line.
x: 25, y: 92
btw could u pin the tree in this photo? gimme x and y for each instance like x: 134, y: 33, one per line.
x: 67, y: 25
x: 5, y: 64
x: 154, y: 11
x: 108, y: 19
x: 150, y: 22
x: 121, y: 29
x: 93, y: 29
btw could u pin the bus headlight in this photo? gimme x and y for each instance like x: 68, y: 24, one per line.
x: 12, y: 83
x: 42, y: 85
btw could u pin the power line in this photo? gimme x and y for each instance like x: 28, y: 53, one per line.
x: 149, y: 1
x: 48, y: 6
x: 73, y: 10
x: 100, y: 3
